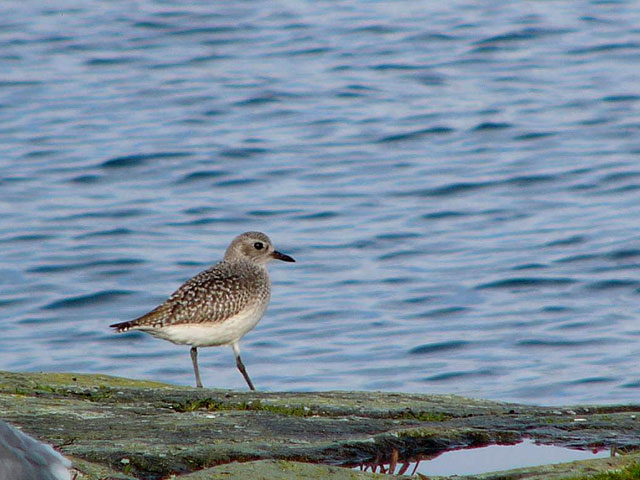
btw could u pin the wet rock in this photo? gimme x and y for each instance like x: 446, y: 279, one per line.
x: 149, y: 430
x: 283, y: 470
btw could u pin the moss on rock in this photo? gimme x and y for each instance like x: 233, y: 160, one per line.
x: 149, y: 430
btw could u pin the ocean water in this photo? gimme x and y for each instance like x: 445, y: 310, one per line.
x: 459, y: 183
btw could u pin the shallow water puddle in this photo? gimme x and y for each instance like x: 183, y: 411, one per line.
x: 472, y: 461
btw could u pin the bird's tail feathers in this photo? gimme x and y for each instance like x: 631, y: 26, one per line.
x: 123, y: 326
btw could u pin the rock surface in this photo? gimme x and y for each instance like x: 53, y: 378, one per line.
x: 126, y: 429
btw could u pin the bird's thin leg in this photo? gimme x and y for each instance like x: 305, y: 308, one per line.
x: 243, y: 371
x: 194, y: 359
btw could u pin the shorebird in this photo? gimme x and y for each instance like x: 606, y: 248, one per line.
x: 219, y: 305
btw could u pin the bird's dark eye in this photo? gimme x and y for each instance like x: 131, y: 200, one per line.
x: 258, y: 246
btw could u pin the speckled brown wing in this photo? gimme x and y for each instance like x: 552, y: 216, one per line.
x: 211, y: 296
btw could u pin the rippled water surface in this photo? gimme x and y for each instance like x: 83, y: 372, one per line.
x: 458, y: 181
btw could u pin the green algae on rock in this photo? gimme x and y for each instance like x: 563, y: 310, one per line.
x: 149, y: 430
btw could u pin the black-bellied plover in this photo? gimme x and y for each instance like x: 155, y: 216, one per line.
x: 219, y: 305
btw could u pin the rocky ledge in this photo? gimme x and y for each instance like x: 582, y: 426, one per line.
x: 116, y: 428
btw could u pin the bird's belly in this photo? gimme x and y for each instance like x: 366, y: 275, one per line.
x: 209, y: 334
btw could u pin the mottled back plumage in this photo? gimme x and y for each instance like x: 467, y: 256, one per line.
x: 211, y: 296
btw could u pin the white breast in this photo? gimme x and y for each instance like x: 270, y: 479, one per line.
x: 209, y: 334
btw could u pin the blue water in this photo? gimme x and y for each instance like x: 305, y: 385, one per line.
x: 459, y: 183
x: 493, y: 458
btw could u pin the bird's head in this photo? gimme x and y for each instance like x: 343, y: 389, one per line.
x: 254, y: 246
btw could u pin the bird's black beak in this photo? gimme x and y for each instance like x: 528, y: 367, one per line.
x: 281, y: 256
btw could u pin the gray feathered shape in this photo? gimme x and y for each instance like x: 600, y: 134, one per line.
x: 211, y: 296
x: 25, y: 458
